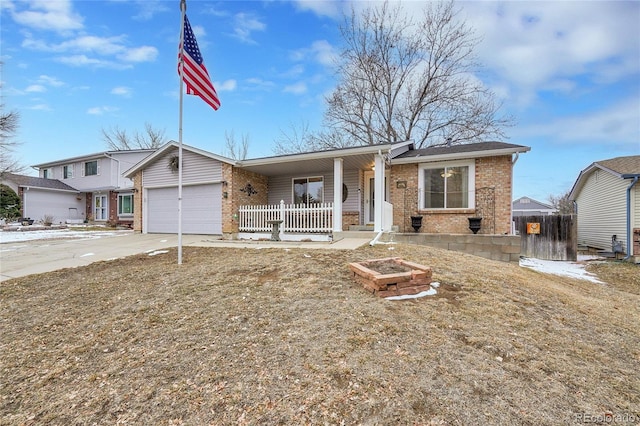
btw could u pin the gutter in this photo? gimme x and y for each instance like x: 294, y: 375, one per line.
x: 629, y: 237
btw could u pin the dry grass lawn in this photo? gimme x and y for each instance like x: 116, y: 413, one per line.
x: 273, y: 336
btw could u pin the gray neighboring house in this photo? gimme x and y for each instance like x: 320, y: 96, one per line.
x: 607, y: 196
x: 46, y: 197
x: 89, y: 187
x: 525, y: 206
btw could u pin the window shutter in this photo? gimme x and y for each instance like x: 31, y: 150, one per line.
x: 98, y: 167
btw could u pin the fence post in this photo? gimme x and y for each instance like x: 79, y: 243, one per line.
x: 282, y: 218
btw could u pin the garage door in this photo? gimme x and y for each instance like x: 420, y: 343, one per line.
x: 201, y: 210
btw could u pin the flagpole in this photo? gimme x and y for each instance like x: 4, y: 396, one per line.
x: 183, y: 9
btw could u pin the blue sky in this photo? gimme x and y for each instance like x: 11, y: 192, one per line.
x: 568, y: 71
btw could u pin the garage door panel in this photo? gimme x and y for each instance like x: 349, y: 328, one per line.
x: 201, y: 210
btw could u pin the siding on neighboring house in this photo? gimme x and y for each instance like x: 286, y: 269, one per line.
x: 601, y: 200
x: 197, y: 169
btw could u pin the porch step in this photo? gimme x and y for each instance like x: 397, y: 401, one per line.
x: 361, y: 228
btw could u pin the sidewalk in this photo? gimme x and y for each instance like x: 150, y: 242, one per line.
x: 18, y: 259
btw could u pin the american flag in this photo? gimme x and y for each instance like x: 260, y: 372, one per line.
x: 194, y: 72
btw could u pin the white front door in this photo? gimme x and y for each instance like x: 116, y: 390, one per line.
x: 100, y: 207
x: 370, y: 197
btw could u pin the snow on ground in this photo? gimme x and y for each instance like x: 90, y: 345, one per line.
x: 69, y: 233
x: 563, y: 268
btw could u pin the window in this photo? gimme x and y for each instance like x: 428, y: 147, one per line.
x: 47, y: 173
x: 308, y: 190
x: 447, y: 186
x: 67, y: 172
x: 91, y: 168
x: 125, y: 205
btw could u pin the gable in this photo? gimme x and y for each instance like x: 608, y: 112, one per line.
x: 196, y: 168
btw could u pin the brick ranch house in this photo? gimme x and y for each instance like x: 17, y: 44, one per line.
x: 322, y: 194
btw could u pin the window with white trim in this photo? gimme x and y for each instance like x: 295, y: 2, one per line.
x: 308, y: 190
x: 91, y: 168
x: 447, y: 185
x: 125, y: 205
x: 47, y: 173
x: 67, y: 171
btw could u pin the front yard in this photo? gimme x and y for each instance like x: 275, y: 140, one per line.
x: 273, y: 336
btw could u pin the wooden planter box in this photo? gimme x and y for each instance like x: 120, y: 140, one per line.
x: 391, y: 276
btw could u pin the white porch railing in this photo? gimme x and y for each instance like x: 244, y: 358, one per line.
x: 295, y: 217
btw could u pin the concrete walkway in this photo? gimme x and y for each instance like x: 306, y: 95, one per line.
x: 18, y: 259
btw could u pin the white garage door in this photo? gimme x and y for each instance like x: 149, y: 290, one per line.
x: 201, y: 210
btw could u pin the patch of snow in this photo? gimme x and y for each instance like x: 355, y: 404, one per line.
x: 88, y: 254
x: 432, y: 291
x: 560, y: 267
x: 20, y: 236
x: 435, y: 284
x: 153, y: 253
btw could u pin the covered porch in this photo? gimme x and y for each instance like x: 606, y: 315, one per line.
x: 342, y: 183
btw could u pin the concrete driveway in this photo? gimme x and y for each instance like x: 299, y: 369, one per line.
x: 21, y: 258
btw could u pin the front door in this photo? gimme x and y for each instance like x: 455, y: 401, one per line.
x: 370, y: 197
x: 100, y: 211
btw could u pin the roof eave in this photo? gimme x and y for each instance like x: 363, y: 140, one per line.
x: 461, y: 155
x: 337, y: 153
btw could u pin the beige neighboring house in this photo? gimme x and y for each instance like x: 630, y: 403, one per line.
x: 46, y: 198
x: 101, y: 193
x: 607, y: 197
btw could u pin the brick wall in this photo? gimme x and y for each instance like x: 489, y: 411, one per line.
x: 349, y: 219
x: 137, y: 202
x: 237, y: 179
x: 636, y: 242
x: 493, y: 200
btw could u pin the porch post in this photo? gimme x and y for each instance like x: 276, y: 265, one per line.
x: 337, y: 195
x: 378, y: 178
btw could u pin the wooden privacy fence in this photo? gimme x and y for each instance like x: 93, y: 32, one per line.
x: 551, y: 237
x: 312, y: 218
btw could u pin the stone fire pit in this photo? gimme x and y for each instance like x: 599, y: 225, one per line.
x: 392, y: 276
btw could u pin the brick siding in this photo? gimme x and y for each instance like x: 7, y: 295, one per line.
x: 493, y: 200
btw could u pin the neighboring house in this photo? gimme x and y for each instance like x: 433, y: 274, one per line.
x: 525, y: 206
x: 328, y: 192
x: 98, y: 178
x: 42, y: 198
x: 607, y: 196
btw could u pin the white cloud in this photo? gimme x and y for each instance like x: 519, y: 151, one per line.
x: 100, y: 110
x: 122, y: 91
x: 258, y: 83
x: 617, y: 125
x: 85, y: 61
x: 35, y: 88
x: 244, y: 25
x: 547, y: 45
x: 321, y: 51
x: 226, y: 86
x: 47, y: 15
x: 40, y: 107
x: 296, y: 89
x: 148, y: 8
x: 139, y: 54
x: 50, y: 81
x: 331, y: 9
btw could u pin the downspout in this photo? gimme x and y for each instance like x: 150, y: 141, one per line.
x: 513, y: 163
x: 629, y: 237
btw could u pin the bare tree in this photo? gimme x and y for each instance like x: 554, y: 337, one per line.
x: 119, y: 140
x: 406, y: 79
x: 299, y: 138
x: 234, y: 149
x: 562, y: 203
x: 9, y: 123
